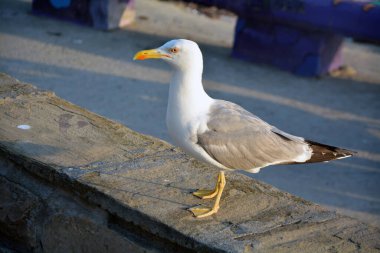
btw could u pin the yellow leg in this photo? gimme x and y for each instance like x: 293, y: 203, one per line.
x: 208, y: 194
x: 201, y: 212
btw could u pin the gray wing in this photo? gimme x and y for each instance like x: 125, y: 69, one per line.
x: 240, y: 140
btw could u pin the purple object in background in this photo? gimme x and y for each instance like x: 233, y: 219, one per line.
x: 101, y: 14
x: 60, y: 3
x: 301, y: 36
x: 303, y: 52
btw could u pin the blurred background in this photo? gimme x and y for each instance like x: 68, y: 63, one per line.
x: 94, y: 69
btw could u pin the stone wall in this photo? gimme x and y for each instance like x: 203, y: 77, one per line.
x: 77, y: 182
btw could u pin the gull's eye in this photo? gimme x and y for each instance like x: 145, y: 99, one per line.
x: 174, y: 50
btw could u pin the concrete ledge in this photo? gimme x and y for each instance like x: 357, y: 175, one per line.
x: 77, y: 182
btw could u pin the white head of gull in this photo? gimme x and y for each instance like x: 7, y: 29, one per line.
x: 222, y: 133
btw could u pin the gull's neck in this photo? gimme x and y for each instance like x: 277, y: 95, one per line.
x: 187, y: 98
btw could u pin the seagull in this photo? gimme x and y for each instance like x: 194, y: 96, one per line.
x: 220, y: 132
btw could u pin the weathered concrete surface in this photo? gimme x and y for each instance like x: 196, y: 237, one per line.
x: 116, y: 183
x: 39, y: 217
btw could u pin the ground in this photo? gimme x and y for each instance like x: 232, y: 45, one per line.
x: 94, y: 69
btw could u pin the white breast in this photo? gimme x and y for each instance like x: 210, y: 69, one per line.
x: 183, y: 130
x: 188, y: 107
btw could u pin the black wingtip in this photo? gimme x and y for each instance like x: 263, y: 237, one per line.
x: 324, y: 153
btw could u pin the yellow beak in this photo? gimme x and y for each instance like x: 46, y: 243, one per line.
x: 150, y: 54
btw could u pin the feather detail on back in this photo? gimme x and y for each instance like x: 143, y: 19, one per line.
x: 238, y: 139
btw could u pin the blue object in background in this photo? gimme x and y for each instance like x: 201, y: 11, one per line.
x: 300, y: 36
x: 60, y: 3
x: 101, y: 14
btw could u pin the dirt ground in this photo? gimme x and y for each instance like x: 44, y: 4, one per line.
x: 94, y: 69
